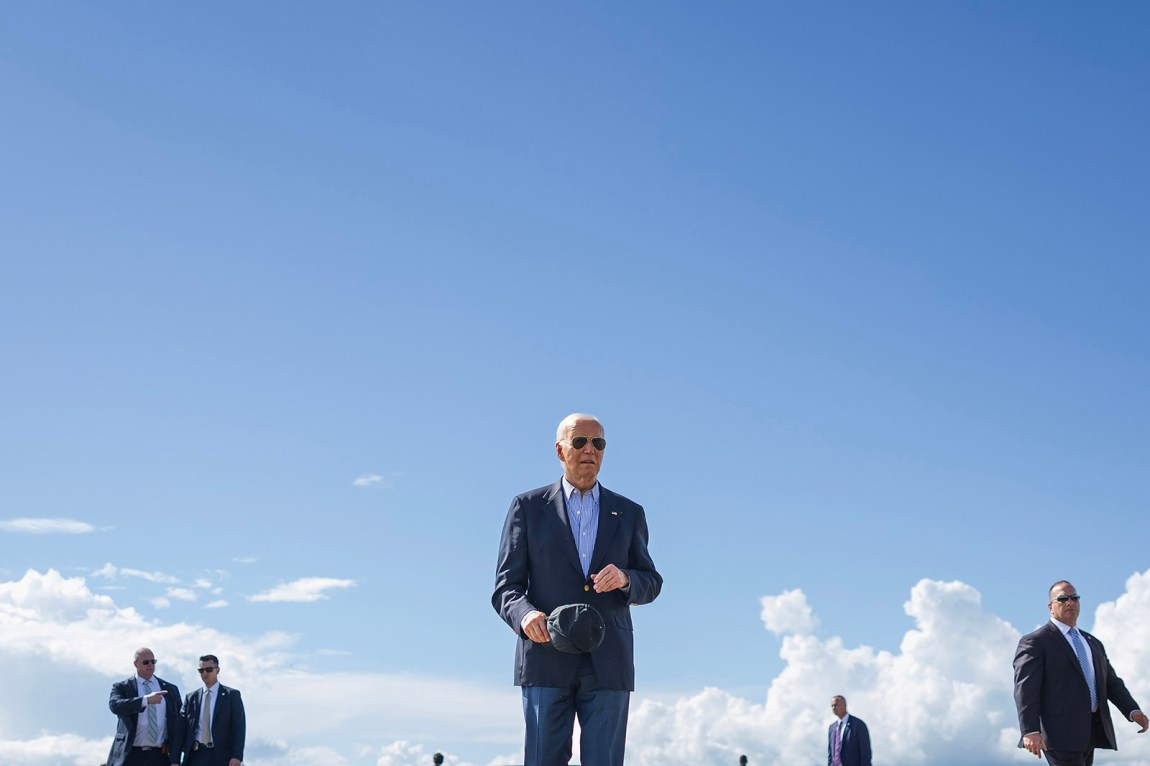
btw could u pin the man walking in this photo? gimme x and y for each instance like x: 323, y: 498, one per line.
x: 1062, y: 684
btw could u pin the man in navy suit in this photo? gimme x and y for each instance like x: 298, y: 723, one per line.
x: 149, y: 730
x: 574, y: 541
x: 848, y: 741
x: 214, y: 720
x: 1062, y: 683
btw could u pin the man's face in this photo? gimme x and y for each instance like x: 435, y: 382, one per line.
x: 1066, y: 611
x: 145, y: 665
x: 208, y: 672
x: 581, y: 465
x: 838, y: 706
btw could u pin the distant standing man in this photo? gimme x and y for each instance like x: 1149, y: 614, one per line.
x: 1062, y: 681
x: 848, y: 741
x: 215, y: 722
x: 574, y: 541
x: 149, y: 730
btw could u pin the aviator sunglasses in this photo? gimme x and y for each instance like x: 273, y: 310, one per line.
x: 1064, y: 599
x: 579, y: 442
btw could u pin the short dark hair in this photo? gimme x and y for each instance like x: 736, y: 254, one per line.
x: 1050, y: 590
x: 212, y: 658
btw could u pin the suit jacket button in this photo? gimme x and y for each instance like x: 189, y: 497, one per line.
x: 586, y: 588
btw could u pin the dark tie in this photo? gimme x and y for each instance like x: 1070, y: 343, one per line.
x: 1087, y: 668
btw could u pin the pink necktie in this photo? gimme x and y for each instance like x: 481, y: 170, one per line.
x: 838, y: 743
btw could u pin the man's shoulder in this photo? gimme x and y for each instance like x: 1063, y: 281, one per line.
x: 1043, y: 633
x: 539, y: 493
x: 856, y: 720
x: 164, y: 683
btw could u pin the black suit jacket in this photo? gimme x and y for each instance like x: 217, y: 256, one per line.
x: 229, y: 724
x: 854, y: 749
x: 538, y: 569
x: 1052, y: 697
x: 125, y: 701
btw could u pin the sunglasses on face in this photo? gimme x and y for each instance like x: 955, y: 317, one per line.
x: 147, y: 662
x: 598, y: 442
x: 1064, y: 599
x: 207, y: 670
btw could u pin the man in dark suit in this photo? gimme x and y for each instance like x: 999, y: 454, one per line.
x: 149, y: 730
x: 214, y: 721
x: 1062, y: 682
x: 848, y: 741
x: 574, y: 541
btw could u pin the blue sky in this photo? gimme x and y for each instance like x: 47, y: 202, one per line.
x: 857, y: 291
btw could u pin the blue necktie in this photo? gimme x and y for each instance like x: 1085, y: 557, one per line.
x: 1087, y: 668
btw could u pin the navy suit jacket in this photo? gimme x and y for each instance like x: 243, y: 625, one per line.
x: 1052, y: 697
x: 125, y: 701
x: 538, y: 569
x: 229, y: 724
x: 854, y: 749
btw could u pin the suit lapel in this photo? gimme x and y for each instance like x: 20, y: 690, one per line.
x: 561, y: 527
x: 609, y: 517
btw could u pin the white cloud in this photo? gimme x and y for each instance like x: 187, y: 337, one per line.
x: 111, y: 572
x: 944, y: 698
x: 159, y: 602
x: 788, y: 612
x: 376, y: 479
x: 59, y: 749
x: 217, y: 604
x: 46, y: 526
x: 203, y: 583
x: 182, y: 594
x: 61, y: 631
x: 401, y: 753
x: 304, y: 590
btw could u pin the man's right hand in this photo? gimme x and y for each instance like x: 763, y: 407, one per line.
x: 534, y: 626
x: 155, y: 698
x: 1034, y: 743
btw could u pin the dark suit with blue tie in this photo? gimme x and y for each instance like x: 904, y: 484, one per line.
x: 854, y: 744
x: 1053, y: 699
x: 229, y: 726
x: 539, y: 569
x: 125, y: 701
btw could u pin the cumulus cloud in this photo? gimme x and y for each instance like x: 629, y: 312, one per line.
x: 182, y: 594
x: 304, y: 590
x: 217, y: 604
x: 63, y: 631
x: 401, y: 753
x: 788, y: 612
x: 65, y: 748
x: 46, y: 526
x: 944, y: 698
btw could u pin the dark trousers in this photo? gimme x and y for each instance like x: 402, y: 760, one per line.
x: 152, y: 757
x: 550, y: 714
x: 1070, y: 758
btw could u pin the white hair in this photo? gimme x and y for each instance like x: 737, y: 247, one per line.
x: 568, y: 423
